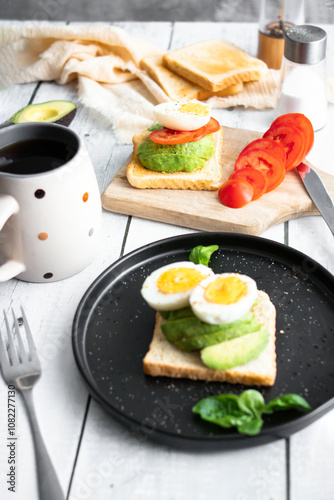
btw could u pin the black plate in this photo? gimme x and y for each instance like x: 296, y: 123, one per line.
x: 113, y: 328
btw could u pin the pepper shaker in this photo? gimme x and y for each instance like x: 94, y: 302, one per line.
x: 303, y: 74
x: 275, y: 17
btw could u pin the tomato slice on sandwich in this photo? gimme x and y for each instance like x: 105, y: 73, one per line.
x: 169, y: 136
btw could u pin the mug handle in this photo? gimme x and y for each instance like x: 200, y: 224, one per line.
x: 8, y: 207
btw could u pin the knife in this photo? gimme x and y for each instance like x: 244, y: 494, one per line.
x: 318, y: 193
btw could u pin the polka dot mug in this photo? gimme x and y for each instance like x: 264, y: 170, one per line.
x: 50, y: 206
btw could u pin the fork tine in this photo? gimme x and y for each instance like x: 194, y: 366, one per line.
x: 4, y: 359
x: 30, y: 339
x: 12, y: 349
x: 22, y: 352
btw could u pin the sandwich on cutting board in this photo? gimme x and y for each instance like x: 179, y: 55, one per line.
x: 182, y: 150
x: 213, y: 327
x: 186, y: 153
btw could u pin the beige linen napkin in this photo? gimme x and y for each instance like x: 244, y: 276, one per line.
x: 104, y: 60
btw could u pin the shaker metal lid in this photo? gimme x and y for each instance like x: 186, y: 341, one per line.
x: 305, y: 44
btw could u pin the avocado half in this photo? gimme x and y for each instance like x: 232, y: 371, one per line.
x: 60, y: 112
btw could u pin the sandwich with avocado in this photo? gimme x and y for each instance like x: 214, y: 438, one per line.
x: 182, y: 150
x: 213, y: 327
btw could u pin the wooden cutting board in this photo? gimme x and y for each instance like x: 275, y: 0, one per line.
x: 202, y: 209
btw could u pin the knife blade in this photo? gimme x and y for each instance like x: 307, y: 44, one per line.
x: 318, y: 193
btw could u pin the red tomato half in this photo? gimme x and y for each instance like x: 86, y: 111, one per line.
x: 292, y: 139
x: 270, y: 145
x: 262, y: 160
x: 256, y: 178
x: 302, y: 122
x: 235, y: 193
x: 168, y: 136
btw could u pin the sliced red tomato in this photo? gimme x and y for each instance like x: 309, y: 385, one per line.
x: 270, y: 165
x: 235, y: 193
x: 212, y: 126
x: 270, y: 145
x: 292, y: 139
x: 302, y: 122
x: 256, y: 178
x: 169, y: 136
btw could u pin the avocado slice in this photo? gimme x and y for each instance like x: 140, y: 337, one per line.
x: 60, y: 112
x: 185, y: 312
x: 235, y: 352
x: 191, y: 326
x: 213, y: 338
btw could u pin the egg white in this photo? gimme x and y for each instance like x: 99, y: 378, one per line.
x: 170, y: 116
x: 169, y: 301
x: 219, y: 314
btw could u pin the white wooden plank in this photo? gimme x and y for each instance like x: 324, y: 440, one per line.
x: 120, y: 464
x: 60, y: 395
x: 312, y: 450
x: 311, y: 456
x: 157, y: 34
x: 14, y: 98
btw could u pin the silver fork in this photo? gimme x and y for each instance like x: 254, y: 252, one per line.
x: 21, y: 367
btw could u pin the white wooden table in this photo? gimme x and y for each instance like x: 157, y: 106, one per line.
x: 96, y: 457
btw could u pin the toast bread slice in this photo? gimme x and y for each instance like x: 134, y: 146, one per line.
x: 177, y: 87
x: 165, y: 360
x: 215, y: 64
x: 206, y: 178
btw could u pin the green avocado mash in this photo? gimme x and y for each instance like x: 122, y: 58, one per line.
x: 177, y: 157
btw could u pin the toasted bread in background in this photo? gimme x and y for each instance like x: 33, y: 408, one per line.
x: 177, y: 87
x: 206, y: 178
x: 164, y: 359
x: 214, y: 64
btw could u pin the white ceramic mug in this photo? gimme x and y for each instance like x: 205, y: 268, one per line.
x: 50, y: 221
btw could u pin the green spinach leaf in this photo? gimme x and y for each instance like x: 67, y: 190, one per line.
x: 202, y: 255
x: 251, y: 402
x: 155, y: 126
x: 245, y: 411
x: 286, y: 402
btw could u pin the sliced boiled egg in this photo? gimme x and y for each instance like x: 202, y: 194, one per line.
x: 223, y: 298
x: 183, y: 115
x: 169, y: 287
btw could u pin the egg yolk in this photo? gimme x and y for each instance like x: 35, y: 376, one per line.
x: 179, y: 279
x: 227, y: 290
x: 194, y: 109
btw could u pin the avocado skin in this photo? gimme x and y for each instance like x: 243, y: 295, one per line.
x: 235, y: 352
x: 187, y: 157
x: 62, y: 113
x: 66, y: 120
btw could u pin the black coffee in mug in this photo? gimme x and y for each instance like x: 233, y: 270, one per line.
x: 35, y: 156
